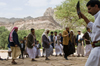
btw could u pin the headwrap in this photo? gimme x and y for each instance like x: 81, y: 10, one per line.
x: 11, y: 34
x: 60, y: 33
x: 71, y: 31
x: 45, y: 33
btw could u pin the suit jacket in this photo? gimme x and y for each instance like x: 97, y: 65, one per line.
x: 45, y: 42
x: 30, y: 41
x: 23, y: 45
x: 86, y: 36
x: 22, y: 48
x: 51, y: 38
x: 65, y: 38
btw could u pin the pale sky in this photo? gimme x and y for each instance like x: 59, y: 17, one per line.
x: 24, y: 8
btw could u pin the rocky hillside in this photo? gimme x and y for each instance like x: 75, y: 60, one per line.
x: 45, y: 21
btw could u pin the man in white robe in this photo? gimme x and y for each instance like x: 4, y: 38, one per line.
x: 87, y: 39
x: 80, y: 47
x: 31, y: 49
x: 60, y: 46
x: 57, y: 47
x: 55, y: 44
x: 51, y: 39
x: 38, y: 46
x: 94, y: 9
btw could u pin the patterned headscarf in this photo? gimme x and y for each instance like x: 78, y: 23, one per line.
x: 11, y: 34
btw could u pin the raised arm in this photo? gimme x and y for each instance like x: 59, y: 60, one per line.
x: 85, y: 18
x: 89, y: 24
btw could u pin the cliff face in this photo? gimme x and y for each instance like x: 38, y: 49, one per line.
x: 45, y: 21
x: 49, y: 12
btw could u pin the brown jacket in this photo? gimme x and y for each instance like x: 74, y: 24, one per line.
x: 30, y: 40
x: 73, y: 39
x: 65, y: 38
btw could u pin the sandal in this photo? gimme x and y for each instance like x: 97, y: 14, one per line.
x: 14, y: 63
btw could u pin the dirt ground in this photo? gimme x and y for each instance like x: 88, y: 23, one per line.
x: 54, y: 61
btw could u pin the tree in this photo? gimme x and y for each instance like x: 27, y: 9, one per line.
x: 22, y: 33
x: 2, y: 29
x: 4, y: 33
x: 68, y: 14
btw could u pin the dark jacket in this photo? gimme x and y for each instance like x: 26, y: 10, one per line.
x: 15, y: 40
x: 39, y: 46
x: 51, y: 38
x: 30, y: 41
x: 77, y: 39
x: 61, y: 40
x: 24, y: 42
x: 86, y: 36
x: 23, y: 45
x: 8, y: 46
x: 45, y: 41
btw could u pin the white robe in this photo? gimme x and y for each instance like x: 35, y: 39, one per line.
x: 58, y: 47
x: 55, y: 40
x: 32, y: 52
x: 88, y: 49
x: 94, y: 57
x: 38, y: 50
x: 80, y: 48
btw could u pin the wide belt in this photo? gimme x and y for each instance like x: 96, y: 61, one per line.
x: 96, y: 44
x: 79, y: 41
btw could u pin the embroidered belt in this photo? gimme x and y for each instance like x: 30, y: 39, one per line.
x: 79, y: 41
x: 95, y: 44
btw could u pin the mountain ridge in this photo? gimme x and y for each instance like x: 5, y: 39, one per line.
x: 42, y: 22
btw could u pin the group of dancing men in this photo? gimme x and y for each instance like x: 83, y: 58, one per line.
x: 64, y: 43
